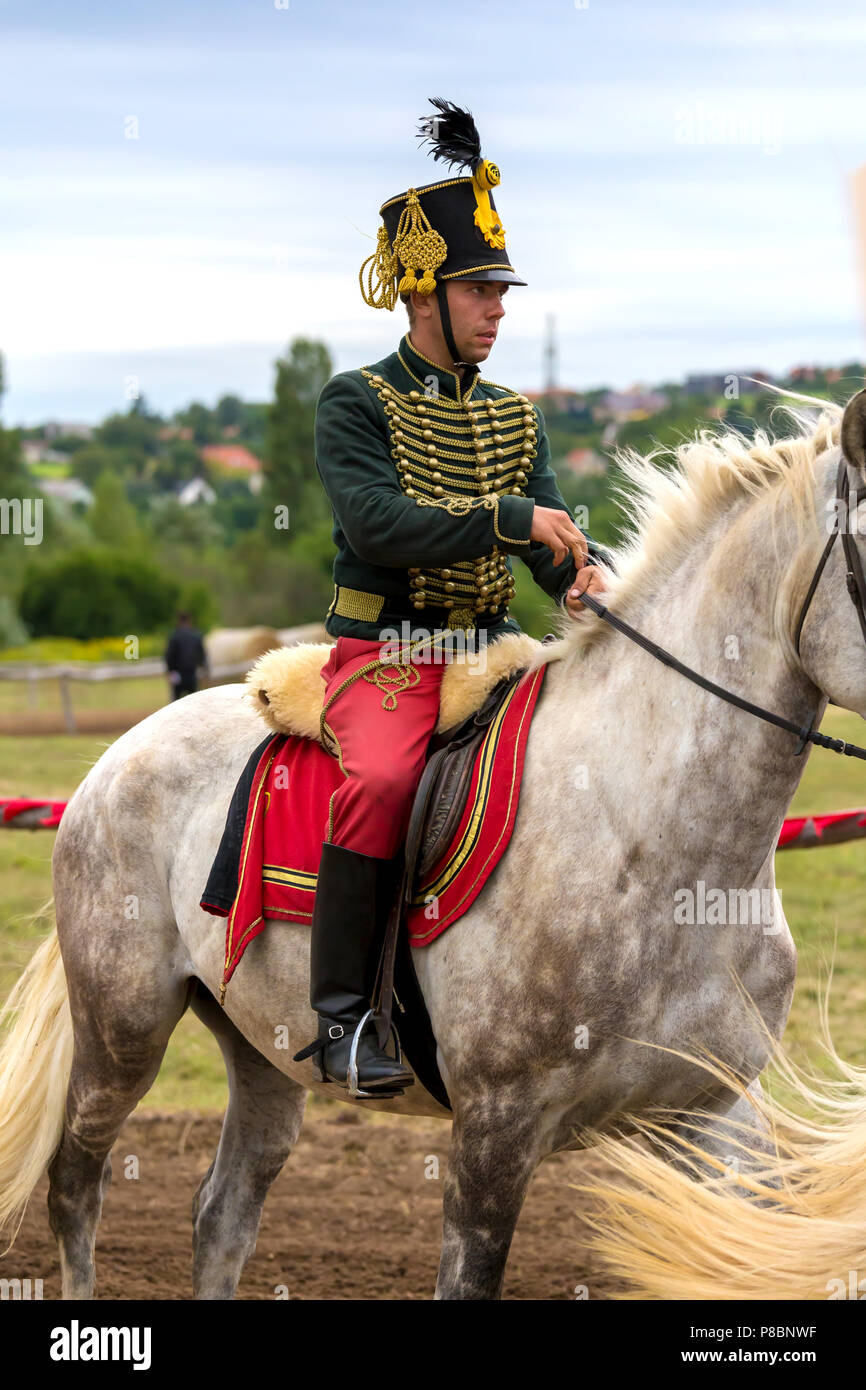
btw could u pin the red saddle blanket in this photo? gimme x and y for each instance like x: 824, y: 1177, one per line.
x: 287, y: 819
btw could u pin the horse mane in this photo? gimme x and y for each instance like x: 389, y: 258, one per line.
x: 671, y: 495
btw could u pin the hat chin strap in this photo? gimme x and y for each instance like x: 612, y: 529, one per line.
x: 445, y: 317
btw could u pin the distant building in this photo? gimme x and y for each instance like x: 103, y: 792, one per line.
x: 69, y: 490
x: 235, y: 461
x: 196, y: 490
x: 635, y: 404
x: 562, y: 401
x: 54, y: 428
x: 584, y: 463
x: 809, y: 372
x: 37, y: 451
x: 707, y: 383
x: 175, y: 432
x: 729, y: 384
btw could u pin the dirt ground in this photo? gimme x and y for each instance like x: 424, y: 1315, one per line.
x: 355, y: 1214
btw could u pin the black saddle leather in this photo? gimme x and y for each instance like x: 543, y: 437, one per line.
x: 444, y: 786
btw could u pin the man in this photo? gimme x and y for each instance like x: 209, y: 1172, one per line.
x: 436, y: 479
x: 184, y: 655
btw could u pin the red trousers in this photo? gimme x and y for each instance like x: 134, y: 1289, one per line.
x: 381, y: 722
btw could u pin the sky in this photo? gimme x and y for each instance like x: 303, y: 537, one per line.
x: 185, y: 187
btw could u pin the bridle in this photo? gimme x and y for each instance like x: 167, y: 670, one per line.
x: 855, y: 579
x: 856, y: 584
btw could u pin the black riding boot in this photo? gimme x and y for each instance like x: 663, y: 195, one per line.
x: 349, y: 919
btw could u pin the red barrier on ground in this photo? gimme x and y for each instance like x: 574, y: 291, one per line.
x: 799, y: 832
x: 805, y: 832
x: 21, y: 813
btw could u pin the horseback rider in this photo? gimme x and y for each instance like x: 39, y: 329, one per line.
x: 436, y: 478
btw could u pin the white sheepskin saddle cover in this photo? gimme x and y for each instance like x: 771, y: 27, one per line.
x: 287, y: 689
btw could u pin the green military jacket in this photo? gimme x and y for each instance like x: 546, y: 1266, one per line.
x: 433, y: 482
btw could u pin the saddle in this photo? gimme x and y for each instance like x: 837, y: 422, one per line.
x: 441, y: 796
x: 285, y: 686
x: 494, y: 707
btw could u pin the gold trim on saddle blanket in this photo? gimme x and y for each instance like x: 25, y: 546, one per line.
x: 468, y: 840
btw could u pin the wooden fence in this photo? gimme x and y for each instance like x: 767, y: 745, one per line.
x: 68, y: 673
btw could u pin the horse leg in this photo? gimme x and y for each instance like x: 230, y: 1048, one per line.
x: 261, y: 1124
x: 495, y: 1149
x: 738, y: 1137
x: 116, y: 1056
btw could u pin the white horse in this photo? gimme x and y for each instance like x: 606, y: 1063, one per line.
x: 639, y: 790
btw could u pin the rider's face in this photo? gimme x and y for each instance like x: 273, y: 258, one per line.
x: 476, y: 309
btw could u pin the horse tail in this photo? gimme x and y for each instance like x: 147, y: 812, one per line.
x: 35, y: 1062
x: 683, y: 1230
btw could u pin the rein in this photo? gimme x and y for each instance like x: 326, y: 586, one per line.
x: 856, y: 584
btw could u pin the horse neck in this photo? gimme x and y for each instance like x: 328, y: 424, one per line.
x: 718, y: 773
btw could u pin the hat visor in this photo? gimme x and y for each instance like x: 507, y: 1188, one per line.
x: 504, y: 277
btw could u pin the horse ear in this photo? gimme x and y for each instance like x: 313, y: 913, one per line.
x: 853, y: 436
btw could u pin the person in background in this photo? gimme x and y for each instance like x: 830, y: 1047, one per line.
x: 184, y: 656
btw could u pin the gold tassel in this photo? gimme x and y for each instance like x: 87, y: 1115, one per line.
x: 418, y: 247
x: 380, y: 289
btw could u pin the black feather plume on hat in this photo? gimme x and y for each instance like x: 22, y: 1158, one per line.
x: 452, y: 134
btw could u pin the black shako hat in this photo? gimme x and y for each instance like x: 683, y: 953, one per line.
x: 440, y: 231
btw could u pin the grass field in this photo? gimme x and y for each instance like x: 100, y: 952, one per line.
x: 823, y: 892
x: 18, y: 698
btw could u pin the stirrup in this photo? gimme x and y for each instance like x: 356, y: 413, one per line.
x: 316, y: 1048
x: 352, y: 1074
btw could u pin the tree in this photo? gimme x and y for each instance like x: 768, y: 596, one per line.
x: 112, y: 518
x: 197, y: 599
x: 14, y: 478
x: 201, y: 421
x: 229, y: 411
x: 96, y: 593
x: 89, y: 461
x: 134, y: 435
x: 290, y: 457
x: 141, y: 408
x: 192, y: 527
x: 180, y: 463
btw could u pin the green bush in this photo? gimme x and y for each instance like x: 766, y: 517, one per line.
x: 96, y: 593
x: 198, y: 600
x: 12, y: 630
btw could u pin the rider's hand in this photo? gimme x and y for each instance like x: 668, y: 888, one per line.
x: 556, y: 530
x: 589, y: 579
